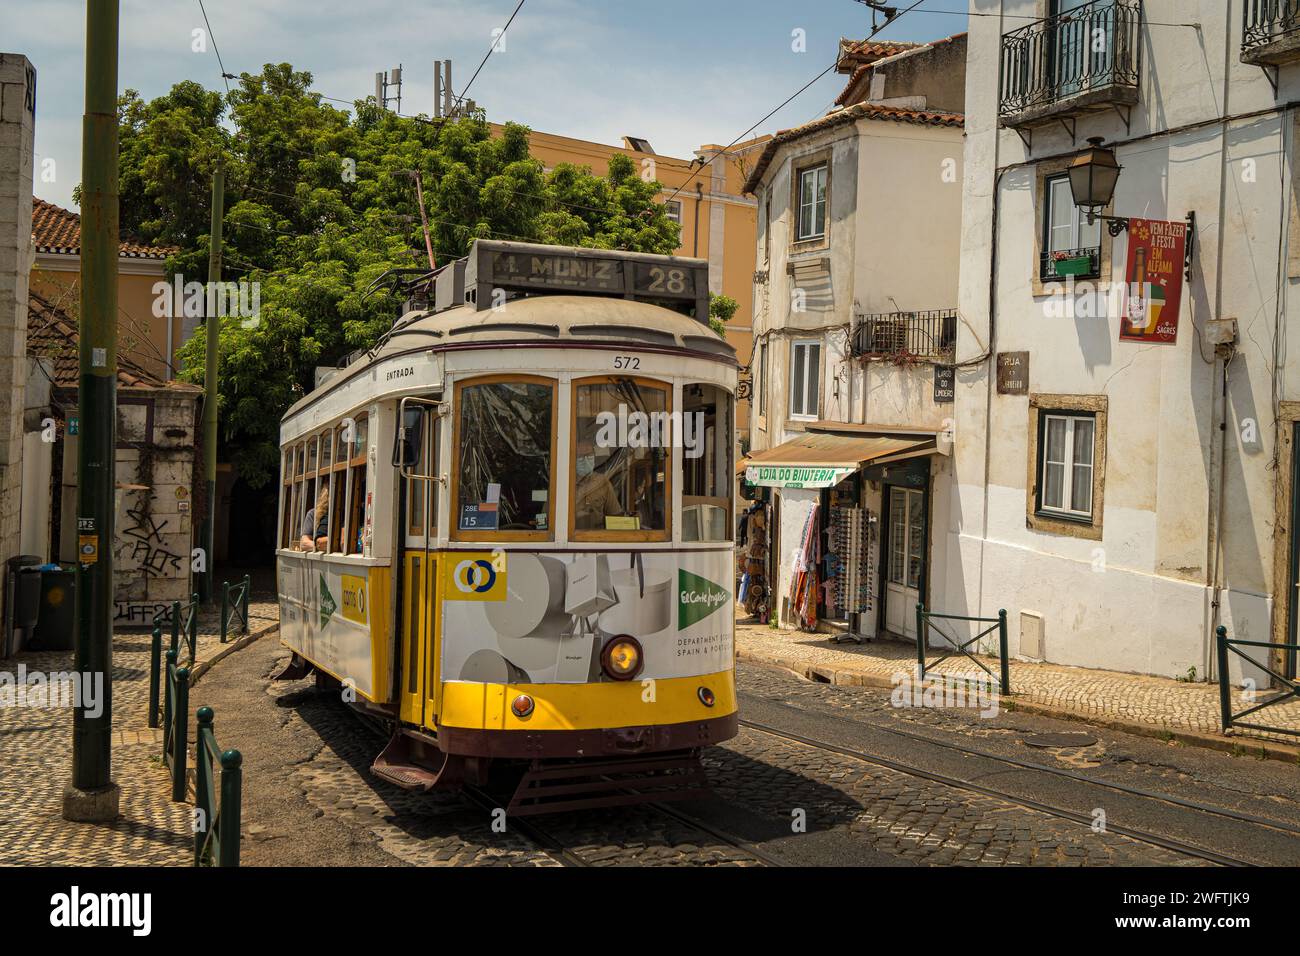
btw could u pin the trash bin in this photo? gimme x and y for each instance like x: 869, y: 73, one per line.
x: 22, y: 601
x: 55, y: 625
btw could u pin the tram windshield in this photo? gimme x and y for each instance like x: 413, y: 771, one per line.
x: 707, y: 472
x: 505, y: 434
x: 622, y: 438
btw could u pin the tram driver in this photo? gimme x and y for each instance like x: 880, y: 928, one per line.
x: 316, y: 520
x: 596, y: 498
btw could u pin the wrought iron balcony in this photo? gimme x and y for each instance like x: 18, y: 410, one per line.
x: 1084, y: 59
x: 1076, y: 263
x: 1270, y: 32
x: 903, y: 335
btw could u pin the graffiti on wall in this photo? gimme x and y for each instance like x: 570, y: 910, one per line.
x: 144, y: 546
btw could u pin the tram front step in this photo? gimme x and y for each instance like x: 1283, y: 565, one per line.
x: 555, y: 786
x: 421, y: 771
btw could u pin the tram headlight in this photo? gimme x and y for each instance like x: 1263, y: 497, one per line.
x: 522, y: 706
x: 621, y: 657
x: 706, y: 697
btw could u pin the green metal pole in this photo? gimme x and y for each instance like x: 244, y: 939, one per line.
x: 92, y: 795
x: 1002, y: 652
x: 1225, y: 688
x: 920, y: 641
x: 203, y: 785
x: 225, y: 607
x: 155, y: 669
x: 213, y: 333
x: 232, y: 785
x: 180, y: 741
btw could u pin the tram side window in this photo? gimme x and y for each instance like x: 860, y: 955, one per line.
x: 621, y: 439
x: 416, y: 424
x: 315, y: 521
x: 356, y: 463
x: 338, y: 491
x: 504, y: 442
x: 707, y: 470
x: 286, y: 500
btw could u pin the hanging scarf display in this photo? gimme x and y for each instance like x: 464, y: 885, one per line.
x: 804, y: 586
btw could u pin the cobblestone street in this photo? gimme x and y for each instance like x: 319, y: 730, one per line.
x: 309, y: 797
x: 35, y: 744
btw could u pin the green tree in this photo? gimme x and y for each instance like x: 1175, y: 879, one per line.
x: 721, y: 309
x: 320, y: 202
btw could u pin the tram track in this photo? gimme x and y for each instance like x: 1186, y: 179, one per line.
x: 1135, y: 833
x: 1074, y: 775
x: 483, y: 800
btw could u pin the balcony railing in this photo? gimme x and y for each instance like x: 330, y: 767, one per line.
x: 902, y: 334
x: 1051, y: 64
x: 1269, y: 25
x: 1079, y: 263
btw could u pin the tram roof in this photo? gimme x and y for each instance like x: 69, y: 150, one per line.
x: 575, y: 320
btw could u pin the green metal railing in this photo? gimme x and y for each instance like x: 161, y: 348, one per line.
x: 924, y: 624
x: 1227, y: 717
x: 183, y: 618
x: 175, y: 725
x: 218, y: 806
x: 234, y: 606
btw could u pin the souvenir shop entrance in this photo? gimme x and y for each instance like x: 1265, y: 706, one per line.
x: 849, y: 531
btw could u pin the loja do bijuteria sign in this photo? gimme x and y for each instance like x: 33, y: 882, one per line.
x: 1156, y: 259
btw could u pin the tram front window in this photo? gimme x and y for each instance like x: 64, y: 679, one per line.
x: 620, y: 468
x: 504, y: 441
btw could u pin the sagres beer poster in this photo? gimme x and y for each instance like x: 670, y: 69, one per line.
x: 1156, y: 253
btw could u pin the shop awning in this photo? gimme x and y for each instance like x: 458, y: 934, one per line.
x: 819, y: 460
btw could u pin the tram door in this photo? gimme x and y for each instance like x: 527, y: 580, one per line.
x: 419, y: 643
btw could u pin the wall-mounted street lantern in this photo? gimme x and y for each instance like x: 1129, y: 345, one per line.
x: 1093, y: 175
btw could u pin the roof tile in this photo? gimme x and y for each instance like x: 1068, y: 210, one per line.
x: 58, y: 230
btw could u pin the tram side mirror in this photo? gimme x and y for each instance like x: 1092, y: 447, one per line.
x: 410, y: 434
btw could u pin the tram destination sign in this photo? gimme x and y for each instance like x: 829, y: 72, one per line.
x: 675, y: 282
x: 558, y: 271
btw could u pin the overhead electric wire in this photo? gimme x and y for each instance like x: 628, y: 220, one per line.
x: 213, y: 37
x: 492, y: 49
x: 796, y: 94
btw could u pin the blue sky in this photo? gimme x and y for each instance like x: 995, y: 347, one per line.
x: 676, y: 72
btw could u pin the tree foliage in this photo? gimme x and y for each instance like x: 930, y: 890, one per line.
x: 320, y: 201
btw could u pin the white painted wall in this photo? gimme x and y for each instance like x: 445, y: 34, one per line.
x: 1139, y: 599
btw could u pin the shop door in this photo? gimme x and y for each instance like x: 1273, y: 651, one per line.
x: 906, y: 510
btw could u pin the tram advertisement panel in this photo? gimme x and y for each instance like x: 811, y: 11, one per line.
x: 325, y: 616
x: 537, y: 618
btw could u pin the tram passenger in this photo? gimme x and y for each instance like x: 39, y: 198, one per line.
x: 317, y: 519
x: 597, y: 499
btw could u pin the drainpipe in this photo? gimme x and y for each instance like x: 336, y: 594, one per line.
x: 695, y: 240
x: 1219, y: 420
x: 1218, y: 469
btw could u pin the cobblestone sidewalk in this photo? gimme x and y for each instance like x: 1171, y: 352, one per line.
x: 36, y: 756
x: 1154, y: 706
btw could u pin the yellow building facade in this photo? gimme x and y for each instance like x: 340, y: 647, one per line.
x: 718, y: 223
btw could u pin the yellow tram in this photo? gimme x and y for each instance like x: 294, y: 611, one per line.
x: 508, y: 528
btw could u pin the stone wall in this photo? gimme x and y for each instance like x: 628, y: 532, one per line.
x: 17, y: 127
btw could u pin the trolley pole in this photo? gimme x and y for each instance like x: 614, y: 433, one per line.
x: 213, y: 334
x: 92, y: 796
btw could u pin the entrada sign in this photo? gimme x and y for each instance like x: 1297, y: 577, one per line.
x: 795, y: 476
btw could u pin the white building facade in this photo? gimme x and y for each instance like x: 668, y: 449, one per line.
x: 1125, y: 478
x: 856, y: 289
